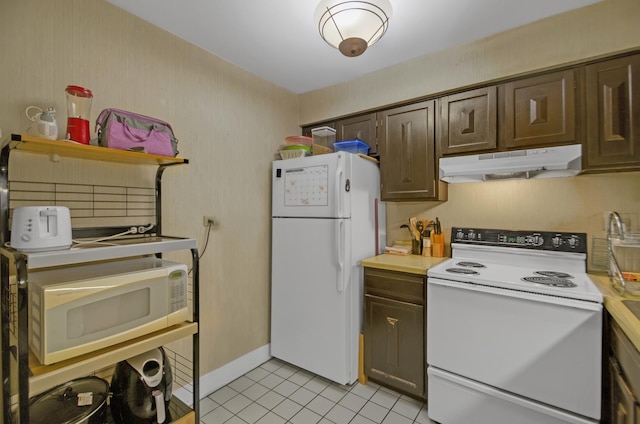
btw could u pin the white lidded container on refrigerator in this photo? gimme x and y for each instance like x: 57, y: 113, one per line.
x: 326, y: 218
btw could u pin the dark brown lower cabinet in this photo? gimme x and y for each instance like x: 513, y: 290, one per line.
x: 624, y: 379
x: 394, y: 330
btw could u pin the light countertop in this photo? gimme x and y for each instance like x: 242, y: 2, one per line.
x: 627, y: 321
x: 413, y: 264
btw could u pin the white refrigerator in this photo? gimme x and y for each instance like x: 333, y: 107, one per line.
x: 326, y: 218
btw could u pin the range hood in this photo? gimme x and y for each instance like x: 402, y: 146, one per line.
x: 548, y: 162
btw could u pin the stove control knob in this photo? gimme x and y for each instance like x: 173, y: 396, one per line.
x: 556, y: 241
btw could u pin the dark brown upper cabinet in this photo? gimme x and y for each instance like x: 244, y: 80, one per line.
x: 540, y: 110
x: 407, y: 153
x: 361, y: 128
x: 596, y: 103
x: 613, y: 108
x: 468, y: 121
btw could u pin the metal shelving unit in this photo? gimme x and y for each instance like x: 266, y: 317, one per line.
x: 23, y: 375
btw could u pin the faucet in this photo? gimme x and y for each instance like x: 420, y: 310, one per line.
x: 615, y: 216
x: 613, y: 262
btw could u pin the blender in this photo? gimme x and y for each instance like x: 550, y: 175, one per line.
x: 78, y: 108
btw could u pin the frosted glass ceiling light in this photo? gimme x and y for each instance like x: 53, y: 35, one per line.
x: 352, y: 26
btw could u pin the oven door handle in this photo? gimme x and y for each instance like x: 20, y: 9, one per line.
x: 579, y: 304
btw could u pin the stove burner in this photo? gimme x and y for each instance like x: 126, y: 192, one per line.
x: 470, y: 264
x: 556, y: 274
x: 462, y: 271
x: 550, y: 281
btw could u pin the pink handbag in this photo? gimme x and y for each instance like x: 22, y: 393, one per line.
x: 119, y: 129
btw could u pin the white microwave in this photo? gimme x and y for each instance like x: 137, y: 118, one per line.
x: 76, y: 310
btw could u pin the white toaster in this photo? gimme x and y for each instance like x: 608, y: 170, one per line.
x: 41, y: 228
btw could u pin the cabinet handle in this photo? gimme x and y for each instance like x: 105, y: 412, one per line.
x: 393, y: 341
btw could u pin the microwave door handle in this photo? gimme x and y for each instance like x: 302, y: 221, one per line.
x: 158, y: 397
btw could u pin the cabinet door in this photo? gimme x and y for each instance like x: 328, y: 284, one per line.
x: 394, y: 344
x: 468, y: 121
x: 613, y: 104
x: 623, y: 404
x: 407, y: 152
x: 361, y: 128
x: 540, y: 110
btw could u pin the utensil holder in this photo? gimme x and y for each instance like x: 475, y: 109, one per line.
x: 437, y: 245
x: 415, y: 247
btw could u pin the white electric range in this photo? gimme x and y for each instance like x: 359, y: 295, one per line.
x: 514, y: 330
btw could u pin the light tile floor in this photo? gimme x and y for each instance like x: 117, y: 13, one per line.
x: 279, y: 393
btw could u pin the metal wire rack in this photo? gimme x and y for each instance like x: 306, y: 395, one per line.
x: 623, y: 249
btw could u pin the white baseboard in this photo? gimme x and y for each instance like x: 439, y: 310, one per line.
x: 224, y: 375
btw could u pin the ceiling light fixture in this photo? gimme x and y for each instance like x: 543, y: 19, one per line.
x: 352, y: 26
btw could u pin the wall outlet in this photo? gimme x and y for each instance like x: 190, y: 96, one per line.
x: 209, y: 220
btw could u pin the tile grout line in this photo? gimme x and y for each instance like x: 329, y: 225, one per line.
x: 294, y: 370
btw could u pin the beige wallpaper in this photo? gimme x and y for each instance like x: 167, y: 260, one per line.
x: 229, y: 124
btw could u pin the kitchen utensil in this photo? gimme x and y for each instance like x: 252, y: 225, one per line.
x: 413, y: 222
x: 323, y: 139
x: 437, y: 240
x: 426, y: 224
x: 40, y: 228
x: 78, y: 108
x: 141, y: 388
x: 351, y: 146
x: 81, y: 401
x: 292, y: 154
x: 43, y: 122
x: 297, y: 147
x: 415, y: 246
x: 299, y: 139
x: 408, y: 229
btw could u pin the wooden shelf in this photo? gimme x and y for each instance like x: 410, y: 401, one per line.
x: 44, y: 377
x: 83, y: 151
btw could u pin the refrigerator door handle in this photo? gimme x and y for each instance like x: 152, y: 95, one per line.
x: 337, y: 187
x: 340, y: 244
